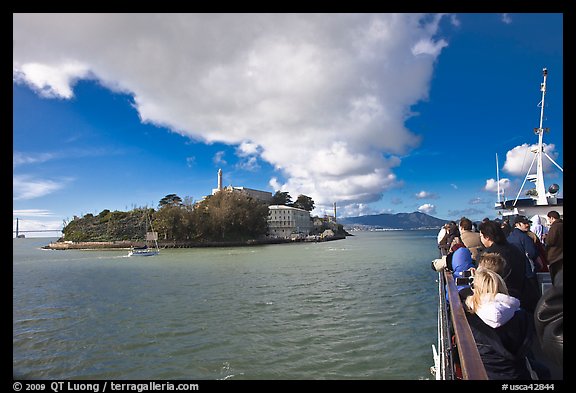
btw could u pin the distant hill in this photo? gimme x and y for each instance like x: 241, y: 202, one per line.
x: 414, y: 220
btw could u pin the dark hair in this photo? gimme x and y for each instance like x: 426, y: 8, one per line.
x: 492, y: 231
x: 465, y: 223
x: 553, y: 214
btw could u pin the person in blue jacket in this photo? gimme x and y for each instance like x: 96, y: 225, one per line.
x: 457, y: 261
x: 461, y: 261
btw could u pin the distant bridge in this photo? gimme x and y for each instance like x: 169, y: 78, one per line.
x: 40, y: 230
x: 18, y: 231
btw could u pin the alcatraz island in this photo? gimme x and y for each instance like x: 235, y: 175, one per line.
x: 230, y: 216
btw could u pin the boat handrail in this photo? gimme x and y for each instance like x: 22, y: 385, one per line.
x: 470, y: 360
x: 443, y: 363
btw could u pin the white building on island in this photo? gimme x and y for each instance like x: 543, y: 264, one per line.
x: 264, y: 196
x: 283, y: 221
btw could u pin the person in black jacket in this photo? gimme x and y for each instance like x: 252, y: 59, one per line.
x: 514, y: 274
x: 520, y: 238
x: 549, y: 320
x: 503, y: 331
x: 555, y: 242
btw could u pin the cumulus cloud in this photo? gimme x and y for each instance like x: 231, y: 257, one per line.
x: 519, y: 159
x: 321, y: 97
x: 355, y: 210
x: 427, y: 208
x: 492, y: 185
x: 519, y: 162
x: 425, y: 194
x: 51, y: 80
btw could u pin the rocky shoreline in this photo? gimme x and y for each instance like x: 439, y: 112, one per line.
x: 126, y: 244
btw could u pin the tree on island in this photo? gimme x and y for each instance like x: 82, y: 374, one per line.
x: 304, y: 202
x: 230, y: 216
x: 170, y: 199
x: 281, y: 198
x: 172, y: 221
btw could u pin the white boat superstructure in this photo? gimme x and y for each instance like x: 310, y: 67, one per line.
x: 540, y: 200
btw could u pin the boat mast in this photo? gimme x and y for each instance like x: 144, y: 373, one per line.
x: 540, y: 188
x: 151, y: 235
x: 498, y: 179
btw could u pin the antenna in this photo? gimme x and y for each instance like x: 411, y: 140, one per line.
x: 540, y: 188
x: 538, y: 179
x: 498, y: 178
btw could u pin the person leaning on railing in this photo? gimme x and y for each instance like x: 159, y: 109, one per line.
x: 501, y: 328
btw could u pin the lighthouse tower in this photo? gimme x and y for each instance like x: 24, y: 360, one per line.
x: 220, y: 179
x: 219, y: 188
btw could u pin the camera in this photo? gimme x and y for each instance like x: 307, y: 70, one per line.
x: 464, y: 280
x: 467, y: 273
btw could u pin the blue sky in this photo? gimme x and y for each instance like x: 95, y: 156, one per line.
x: 379, y: 113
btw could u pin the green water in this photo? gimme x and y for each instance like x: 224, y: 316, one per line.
x: 359, y: 308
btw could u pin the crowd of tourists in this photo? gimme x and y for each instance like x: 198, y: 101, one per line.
x: 504, y: 304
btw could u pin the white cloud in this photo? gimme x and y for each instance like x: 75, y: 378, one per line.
x: 353, y: 210
x: 19, y: 158
x: 454, y: 20
x: 506, y: 18
x: 219, y: 158
x: 427, y: 209
x: 249, y: 164
x: 32, y: 213
x: 247, y: 148
x: 519, y: 159
x: 322, y: 97
x: 27, y: 187
x: 429, y: 47
x: 51, y: 81
x: 424, y: 194
x: 475, y: 201
x: 492, y: 185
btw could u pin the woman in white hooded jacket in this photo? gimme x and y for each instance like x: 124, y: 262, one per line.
x: 503, y: 331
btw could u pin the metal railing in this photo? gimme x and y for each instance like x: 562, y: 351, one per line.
x: 457, y: 325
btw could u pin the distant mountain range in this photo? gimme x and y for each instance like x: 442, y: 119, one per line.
x: 414, y: 220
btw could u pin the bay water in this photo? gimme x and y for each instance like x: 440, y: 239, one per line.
x: 359, y: 308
